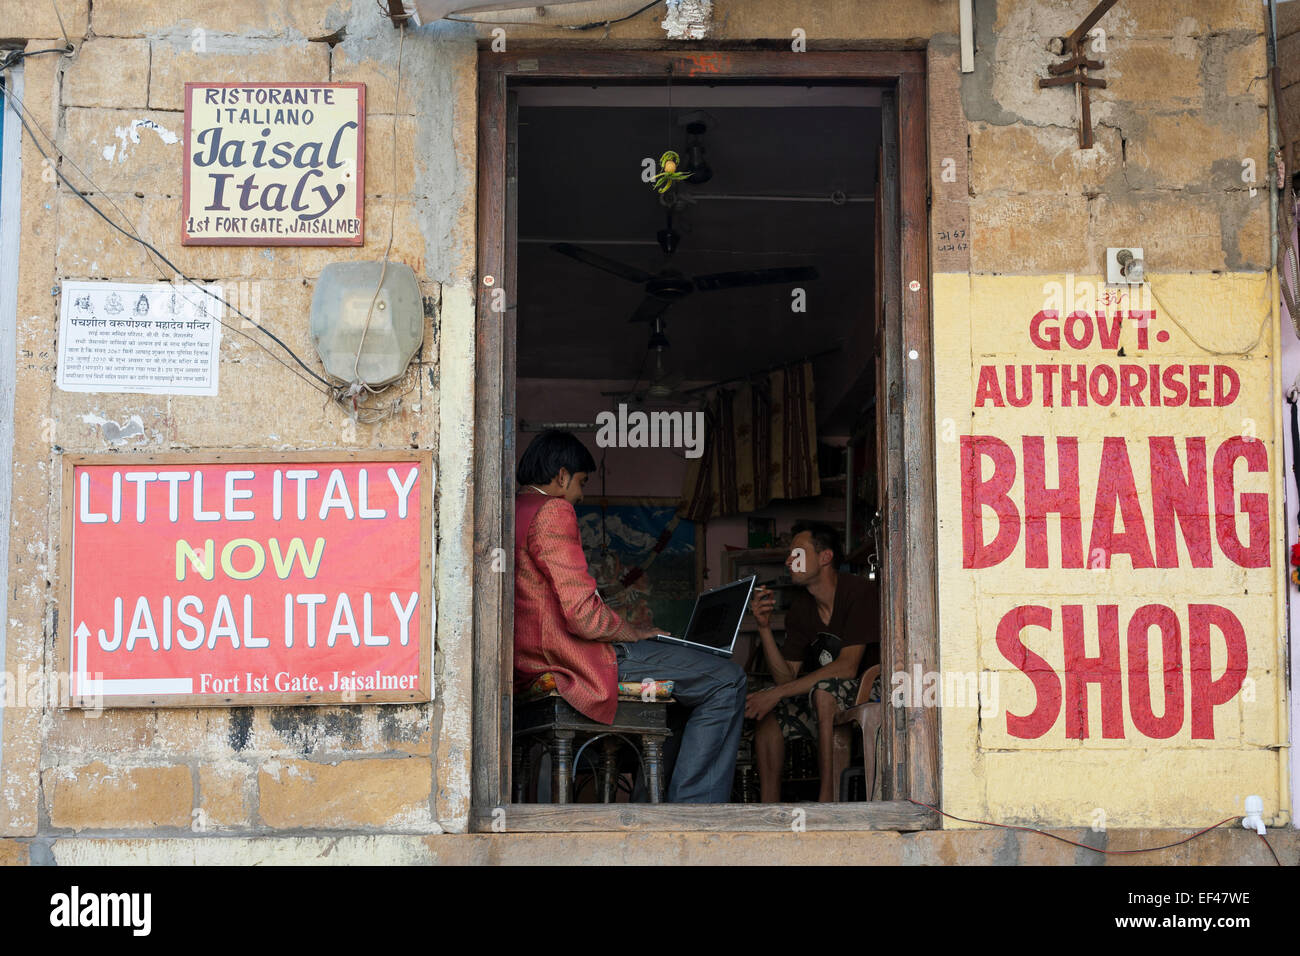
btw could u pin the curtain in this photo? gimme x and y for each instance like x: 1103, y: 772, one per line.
x: 760, y: 443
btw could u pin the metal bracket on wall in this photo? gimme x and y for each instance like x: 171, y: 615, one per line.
x: 1074, y: 71
x: 399, y: 14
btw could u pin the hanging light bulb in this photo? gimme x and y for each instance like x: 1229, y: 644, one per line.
x: 696, y: 164
x: 659, y: 343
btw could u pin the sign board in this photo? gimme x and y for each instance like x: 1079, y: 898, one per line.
x: 157, y: 338
x: 242, y: 578
x: 1111, y: 545
x: 274, y: 164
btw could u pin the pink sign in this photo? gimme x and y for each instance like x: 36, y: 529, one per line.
x: 303, y: 579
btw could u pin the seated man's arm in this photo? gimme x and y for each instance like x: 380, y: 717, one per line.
x: 556, y: 546
x: 759, y: 703
x: 859, y: 623
x: 761, y: 608
x: 844, y: 667
x: 860, y: 620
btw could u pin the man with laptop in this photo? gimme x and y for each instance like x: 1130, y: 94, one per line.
x: 563, y: 627
x: 832, y: 635
x: 707, y: 680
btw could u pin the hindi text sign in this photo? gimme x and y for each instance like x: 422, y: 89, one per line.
x: 154, y: 338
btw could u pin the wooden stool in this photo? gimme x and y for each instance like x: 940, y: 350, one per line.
x: 542, y: 712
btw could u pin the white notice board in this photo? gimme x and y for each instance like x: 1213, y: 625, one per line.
x: 154, y: 338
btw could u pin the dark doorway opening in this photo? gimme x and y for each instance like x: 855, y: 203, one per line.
x: 634, y: 302
x: 619, y: 301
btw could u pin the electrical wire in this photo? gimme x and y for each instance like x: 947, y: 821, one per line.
x: 323, y: 385
x: 21, y: 112
x: 1149, y: 849
x: 1259, y: 337
x: 395, y: 17
x: 62, y: 28
x: 357, y: 385
x: 392, y: 225
x: 99, y: 212
x: 605, y: 23
x: 86, y: 176
x: 1270, y: 848
x: 14, y: 57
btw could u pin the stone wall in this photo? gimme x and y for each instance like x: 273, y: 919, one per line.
x: 1186, y: 103
x: 1288, y: 68
x: 115, y: 110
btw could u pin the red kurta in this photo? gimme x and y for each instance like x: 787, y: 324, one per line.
x: 561, y: 623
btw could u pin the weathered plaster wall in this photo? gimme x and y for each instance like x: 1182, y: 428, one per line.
x: 1184, y: 106
x: 115, y: 110
x: 1288, y: 67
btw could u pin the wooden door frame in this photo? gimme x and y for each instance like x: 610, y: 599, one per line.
x: 911, y: 637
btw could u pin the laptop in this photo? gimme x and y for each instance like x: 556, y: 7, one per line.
x: 715, y: 619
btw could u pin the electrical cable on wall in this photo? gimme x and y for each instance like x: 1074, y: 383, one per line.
x: 23, y: 114
x: 357, y: 384
x: 1243, y: 352
x: 339, y: 395
x: 99, y: 212
x: 84, y: 175
x: 1084, y: 846
x: 62, y: 29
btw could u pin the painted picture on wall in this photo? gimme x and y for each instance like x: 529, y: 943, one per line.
x: 644, y: 558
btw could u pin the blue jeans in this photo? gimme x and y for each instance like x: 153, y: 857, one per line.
x: 714, y: 688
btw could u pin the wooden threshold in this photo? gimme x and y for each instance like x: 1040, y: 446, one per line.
x: 725, y: 817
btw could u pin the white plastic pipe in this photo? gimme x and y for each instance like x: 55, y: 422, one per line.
x: 967, y: 14
x: 1253, y: 820
x: 430, y: 10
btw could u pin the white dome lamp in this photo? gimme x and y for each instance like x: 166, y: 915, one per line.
x: 367, y: 333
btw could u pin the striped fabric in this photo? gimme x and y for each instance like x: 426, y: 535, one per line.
x: 544, y: 686
x: 760, y: 443
x: 561, y: 624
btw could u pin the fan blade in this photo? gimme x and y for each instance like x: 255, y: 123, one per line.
x: 749, y: 277
x: 622, y: 270
x: 651, y: 308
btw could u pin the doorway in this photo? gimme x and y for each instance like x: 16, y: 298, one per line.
x: 600, y: 294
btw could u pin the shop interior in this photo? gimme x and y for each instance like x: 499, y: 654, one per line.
x: 746, y: 293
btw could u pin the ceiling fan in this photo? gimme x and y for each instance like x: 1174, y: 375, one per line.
x: 669, y: 286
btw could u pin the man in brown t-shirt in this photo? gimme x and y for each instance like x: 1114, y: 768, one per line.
x: 832, y: 636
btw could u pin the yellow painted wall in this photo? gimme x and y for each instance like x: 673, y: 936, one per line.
x: 1044, y: 775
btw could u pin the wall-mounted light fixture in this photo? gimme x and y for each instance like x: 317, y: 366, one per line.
x: 352, y: 349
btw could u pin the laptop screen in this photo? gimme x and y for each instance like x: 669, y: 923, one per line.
x: 718, y: 613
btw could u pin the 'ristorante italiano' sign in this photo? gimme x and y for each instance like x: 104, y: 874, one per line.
x: 274, y: 164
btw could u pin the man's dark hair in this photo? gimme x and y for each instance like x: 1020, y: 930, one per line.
x: 824, y: 536
x: 548, y: 453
